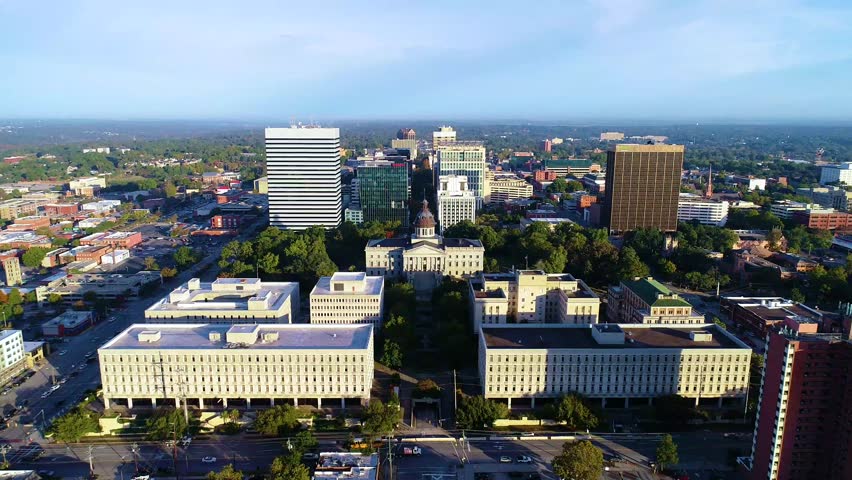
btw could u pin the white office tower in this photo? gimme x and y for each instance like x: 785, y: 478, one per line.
x: 303, y: 166
x: 444, y: 136
x: 455, y: 201
x: 465, y: 159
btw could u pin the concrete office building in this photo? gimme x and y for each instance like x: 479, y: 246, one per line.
x: 261, y: 185
x: 642, y: 187
x: 348, y: 297
x: 12, y: 272
x: 828, y: 197
x: 384, y: 191
x: 303, y: 168
x: 707, y: 211
x: 205, y: 364
x: 803, y: 428
x: 502, y: 189
x: 456, y: 202
x: 531, y: 296
x: 228, y: 300
x: 646, y: 300
x: 12, y: 361
x: 444, y: 136
x: 612, y: 136
x: 464, y: 159
x: 841, y: 174
x: 108, y: 286
x: 610, y: 361
x: 87, y: 187
x: 761, y: 315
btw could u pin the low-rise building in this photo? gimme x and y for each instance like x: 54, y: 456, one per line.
x: 228, y: 300
x: 87, y: 187
x: 531, y: 296
x: 828, y: 197
x: 348, y: 297
x: 226, y: 222
x: 760, y: 314
x: 551, y: 222
x: 707, y: 211
x: 12, y: 361
x: 750, y: 182
x: 59, y: 209
x: 29, y: 224
x: 101, y: 206
x: 35, y: 352
x: 211, y: 363
x: 824, y: 220
x: 107, y: 286
x: 23, y: 240
x: 125, y: 240
x: 68, y: 324
x: 576, y: 167
x: 90, y: 253
x: 610, y: 361
x: 841, y: 174
x: 504, y: 189
x: 54, y: 258
x: 17, y: 207
x: 115, y: 257
x: 261, y: 186
x: 645, y: 300
x: 594, y: 182
x: 347, y: 466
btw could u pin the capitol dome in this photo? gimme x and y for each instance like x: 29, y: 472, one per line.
x: 424, y: 219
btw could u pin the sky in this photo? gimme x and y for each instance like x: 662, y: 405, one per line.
x: 568, y: 60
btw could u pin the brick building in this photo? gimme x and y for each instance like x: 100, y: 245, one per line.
x: 226, y: 222
x: 61, y: 208
x: 824, y: 221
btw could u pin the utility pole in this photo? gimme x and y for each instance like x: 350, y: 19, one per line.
x: 91, y: 460
x: 455, y: 397
x: 390, y: 459
x: 134, y: 447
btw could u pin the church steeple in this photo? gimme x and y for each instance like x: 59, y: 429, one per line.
x: 708, y: 192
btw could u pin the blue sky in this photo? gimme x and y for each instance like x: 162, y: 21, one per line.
x: 569, y: 60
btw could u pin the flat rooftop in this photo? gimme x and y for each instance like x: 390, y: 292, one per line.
x: 580, y: 337
x: 192, y: 336
x: 372, y: 285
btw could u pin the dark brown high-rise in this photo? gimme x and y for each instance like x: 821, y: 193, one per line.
x: 642, y: 187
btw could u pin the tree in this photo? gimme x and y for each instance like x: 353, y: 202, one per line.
x: 379, y: 418
x: 288, y: 468
x: 151, y: 264
x: 720, y: 323
x: 170, y: 190
x: 184, y: 257
x: 630, y: 265
x: 667, y: 452
x: 579, y: 461
x: 479, y: 412
x: 427, y: 388
x: 231, y: 416
x: 4, y: 299
x: 74, y: 425
x: 166, y: 423
x: 168, y: 272
x: 277, y: 420
x: 15, y: 297
x: 33, y: 257
x: 573, y: 411
x: 796, y: 295
x: 268, y: 262
x: 54, y: 298
x: 304, y: 441
x: 391, y: 355
x: 227, y: 473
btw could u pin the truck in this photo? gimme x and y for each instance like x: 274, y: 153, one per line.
x: 411, y: 451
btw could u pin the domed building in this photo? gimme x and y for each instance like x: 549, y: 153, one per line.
x: 425, y: 257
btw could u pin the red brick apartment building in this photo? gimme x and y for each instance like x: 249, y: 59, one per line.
x: 803, y: 429
x: 226, y: 222
x: 824, y: 221
x: 61, y: 208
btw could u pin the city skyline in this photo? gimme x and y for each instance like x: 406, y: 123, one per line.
x: 710, y: 61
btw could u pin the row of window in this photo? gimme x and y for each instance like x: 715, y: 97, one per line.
x: 614, y: 358
x: 223, y: 358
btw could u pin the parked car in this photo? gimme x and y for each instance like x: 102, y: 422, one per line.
x: 505, y: 459
x: 208, y: 460
x: 523, y: 459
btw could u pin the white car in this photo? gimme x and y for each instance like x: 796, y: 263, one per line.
x: 62, y: 353
x: 208, y: 460
x: 523, y: 459
x: 505, y: 459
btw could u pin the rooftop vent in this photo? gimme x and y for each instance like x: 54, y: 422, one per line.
x: 700, y: 336
x: 214, y: 336
x: 149, y: 336
x: 270, y: 337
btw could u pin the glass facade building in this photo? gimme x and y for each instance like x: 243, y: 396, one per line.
x: 384, y: 191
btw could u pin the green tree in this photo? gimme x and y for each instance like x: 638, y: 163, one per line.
x: 667, y: 452
x: 231, y: 416
x: 277, y: 420
x: 572, y: 410
x: 54, y: 298
x: 558, y: 186
x: 630, y: 265
x: 15, y: 297
x: 718, y: 321
x: 479, y: 412
x: 170, y: 190
x: 166, y: 423
x: 796, y: 295
x: 579, y: 461
x: 227, y: 473
x: 168, y: 272
x: 391, y: 355
x: 184, y: 257
x: 304, y: 441
x: 379, y: 418
x: 33, y: 257
x: 150, y: 263
x: 74, y: 425
x: 288, y: 467
x: 268, y: 263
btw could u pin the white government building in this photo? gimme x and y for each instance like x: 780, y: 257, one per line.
x: 531, y: 296
x: 347, y: 298
x: 424, y: 257
x: 303, y: 168
x: 456, y: 202
x: 206, y: 364
x: 612, y: 361
x: 228, y: 300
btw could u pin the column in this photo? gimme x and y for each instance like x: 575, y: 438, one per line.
x: 603, y: 402
x: 177, y: 402
x: 106, y: 402
x: 342, y: 403
x: 129, y: 402
x: 319, y: 403
x: 696, y: 401
x: 225, y: 402
x: 200, y: 403
x: 532, y: 402
x: 248, y: 403
x: 720, y: 402
x: 295, y: 401
x: 272, y: 402
x: 650, y: 400
x: 509, y: 404
x: 153, y: 402
x: 627, y: 402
